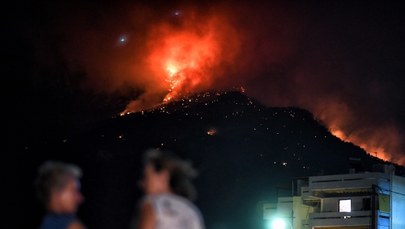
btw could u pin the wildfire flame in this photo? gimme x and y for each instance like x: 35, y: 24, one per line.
x: 184, y: 60
x: 374, y: 150
x: 186, y: 57
x: 377, y: 140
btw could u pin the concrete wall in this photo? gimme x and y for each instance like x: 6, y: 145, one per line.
x: 269, y: 210
x: 285, y: 207
x: 301, y: 213
x: 291, y: 209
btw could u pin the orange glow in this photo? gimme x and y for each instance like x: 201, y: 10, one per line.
x: 382, y: 141
x: 339, y: 134
x: 186, y: 59
x: 370, y: 147
x: 187, y: 55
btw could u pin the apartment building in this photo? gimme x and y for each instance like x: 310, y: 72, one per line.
x: 367, y: 200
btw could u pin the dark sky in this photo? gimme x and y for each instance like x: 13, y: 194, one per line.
x: 341, y: 60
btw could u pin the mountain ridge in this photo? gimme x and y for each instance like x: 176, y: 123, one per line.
x: 244, y: 152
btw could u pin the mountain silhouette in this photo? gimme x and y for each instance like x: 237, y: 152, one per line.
x: 245, y: 153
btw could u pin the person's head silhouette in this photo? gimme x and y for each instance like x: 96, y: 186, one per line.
x: 58, y: 189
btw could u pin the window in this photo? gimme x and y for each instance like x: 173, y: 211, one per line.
x: 366, y: 204
x: 345, y: 205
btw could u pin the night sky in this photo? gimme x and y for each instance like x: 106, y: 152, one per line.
x: 69, y: 64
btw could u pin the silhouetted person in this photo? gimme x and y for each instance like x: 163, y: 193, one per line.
x: 58, y: 189
x: 167, y: 185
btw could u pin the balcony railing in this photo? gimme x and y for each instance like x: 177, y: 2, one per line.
x: 358, y: 218
x: 359, y: 181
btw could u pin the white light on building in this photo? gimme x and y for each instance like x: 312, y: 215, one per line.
x: 278, y: 224
x: 345, y: 205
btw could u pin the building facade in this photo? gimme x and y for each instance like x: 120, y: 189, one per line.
x: 370, y: 200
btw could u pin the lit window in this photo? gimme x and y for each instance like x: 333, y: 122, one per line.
x: 345, y: 205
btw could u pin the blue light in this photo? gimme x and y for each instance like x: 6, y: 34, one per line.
x: 278, y: 224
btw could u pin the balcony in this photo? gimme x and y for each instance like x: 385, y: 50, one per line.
x: 329, y: 219
x: 361, y: 182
